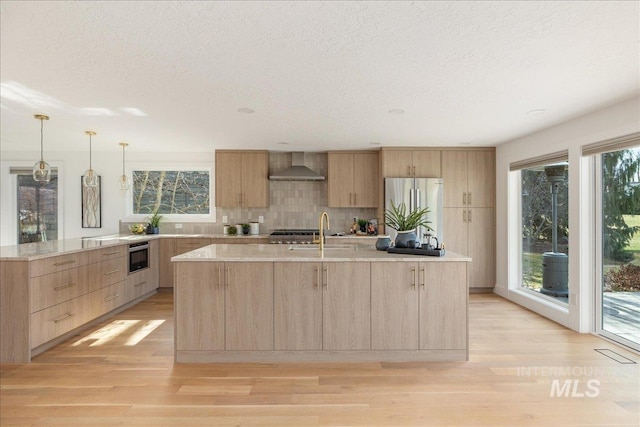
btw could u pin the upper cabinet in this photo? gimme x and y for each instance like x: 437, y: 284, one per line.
x: 411, y: 163
x: 353, y: 179
x: 469, y: 178
x: 242, y: 179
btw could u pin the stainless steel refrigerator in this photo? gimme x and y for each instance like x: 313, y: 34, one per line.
x: 416, y: 193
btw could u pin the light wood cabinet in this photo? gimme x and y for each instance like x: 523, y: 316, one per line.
x: 188, y: 244
x: 167, y: 250
x: 249, y: 306
x: 297, y: 306
x: 469, y: 178
x: 443, y: 305
x: 394, y: 306
x: 419, y: 305
x: 346, y: 317
x: 469, y: 214
x: 353, y: 179
x: 472, y: 232
x: 199, y: 307
x: 410, y: 163
x: 242, y: 178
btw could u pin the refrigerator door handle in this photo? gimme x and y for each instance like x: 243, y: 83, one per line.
x: 411, y: 199
x: 418, y: 201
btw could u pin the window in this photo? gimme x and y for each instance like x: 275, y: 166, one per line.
x: 178, y: 192
x: 37, y: 208
x: 544, y: 192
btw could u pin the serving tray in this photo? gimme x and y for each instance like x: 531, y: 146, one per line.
x: 427, y: 252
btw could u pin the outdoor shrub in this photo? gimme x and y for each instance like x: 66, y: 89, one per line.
x: 623, y: 279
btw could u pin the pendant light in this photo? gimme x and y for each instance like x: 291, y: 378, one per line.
x: 90, y: 178
x: 41, y: 170
x: 124, y: 182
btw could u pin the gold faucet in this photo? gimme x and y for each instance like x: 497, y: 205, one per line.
x: 321, y: 228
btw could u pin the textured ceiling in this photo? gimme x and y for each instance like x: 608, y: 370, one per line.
x: 319, y: 75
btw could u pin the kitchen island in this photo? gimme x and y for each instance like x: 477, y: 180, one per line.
x: 278, y: 303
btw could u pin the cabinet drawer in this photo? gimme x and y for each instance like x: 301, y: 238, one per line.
x: 111, y: 297
x: 107, y: 253
x: 107, y: 273
x: 138, y: 284
x: 52, y: 289
x: 58, y: 263
x: 54, y: 321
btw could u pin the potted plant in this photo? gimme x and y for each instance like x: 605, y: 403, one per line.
x: 405, y: 223
x: 233, y: 230
x: 245, y: 228
x: 362, y: 223
x: 154, y: 222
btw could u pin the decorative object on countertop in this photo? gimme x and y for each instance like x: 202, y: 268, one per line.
x: 354, y: 226
x: 254, y: 228
x: 137, y: 228
x: 417, y: 251
x: 383, y: 243
x: 362, y: 225
x: 91, y: 206
x: 90, y: 177
x: 225, y: 229
x: 41, y: 170
x: 124, y: 183
x: 245, y: 229
x: 233, y: 230
x: 372, y: 227
x: 406, y: 223
x: 154, y: 222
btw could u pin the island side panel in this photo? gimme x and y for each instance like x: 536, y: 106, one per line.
x: 15, y: 346
x: 443, y: 306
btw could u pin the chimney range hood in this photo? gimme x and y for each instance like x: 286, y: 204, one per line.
x: 297, y: 171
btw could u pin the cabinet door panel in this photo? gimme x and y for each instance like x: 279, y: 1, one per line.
x: 394, y: 306
x: 426, y: 163
x: 454, y: 178
x: 482, y: 178
x: 482, y: 236
x: 346, y: 306
x: 455, y: 235
x: 165, y: 267
x: 255, y: 180
x: 199, y: 310
x: 365, y: 180
x: 297, y: 306
x: 443, y: 306
x: 228, y: 179
x: 249, y: 306
x: 340, y: 179
x: 397, y: 163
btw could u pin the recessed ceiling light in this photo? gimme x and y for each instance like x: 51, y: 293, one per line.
x: 283, y: 143
x: 465, y: 143
x: 396, y: 111
x: 536, y: 112
x: 245, y: 110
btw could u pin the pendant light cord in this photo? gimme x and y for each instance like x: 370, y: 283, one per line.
x: 90, y: 168
x: 41, y: 137
x: 123, y: 160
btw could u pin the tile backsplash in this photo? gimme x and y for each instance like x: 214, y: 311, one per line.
x: 293, y: 204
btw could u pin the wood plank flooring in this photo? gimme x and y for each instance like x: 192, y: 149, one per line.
x: 121, y: 373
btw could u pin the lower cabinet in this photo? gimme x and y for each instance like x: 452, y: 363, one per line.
x: 419, y: 306
x: 199, y: 307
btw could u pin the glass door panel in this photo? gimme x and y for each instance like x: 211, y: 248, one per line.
x: 37, y: 209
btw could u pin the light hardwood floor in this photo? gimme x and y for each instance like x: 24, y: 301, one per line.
x: 122, y: 373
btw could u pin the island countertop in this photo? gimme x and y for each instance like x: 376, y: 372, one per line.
x: 305, y: 253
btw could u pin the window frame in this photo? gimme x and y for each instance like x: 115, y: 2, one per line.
x: 166, y: 166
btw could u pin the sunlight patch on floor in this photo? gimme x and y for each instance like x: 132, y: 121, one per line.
x: 143, y: 331
x: 107, y: 333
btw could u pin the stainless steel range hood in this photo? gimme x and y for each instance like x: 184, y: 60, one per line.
x: 297, y: 171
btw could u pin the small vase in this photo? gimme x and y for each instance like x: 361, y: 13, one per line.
x: 404, y: 239
x: 383, y: 243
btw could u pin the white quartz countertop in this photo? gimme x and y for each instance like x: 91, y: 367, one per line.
x: 302, y: 253
x: 39, y: 250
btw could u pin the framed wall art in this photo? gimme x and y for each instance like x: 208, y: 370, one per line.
x: 91, y: 206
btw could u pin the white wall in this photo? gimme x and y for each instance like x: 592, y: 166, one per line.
x: 620, y: 119
x: 71, y: 167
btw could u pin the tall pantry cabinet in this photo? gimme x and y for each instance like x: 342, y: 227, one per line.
x: 469, y: 210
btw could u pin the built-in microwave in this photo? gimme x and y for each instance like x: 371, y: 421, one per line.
x: 138, y: 256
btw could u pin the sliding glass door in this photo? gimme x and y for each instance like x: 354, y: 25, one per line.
x: 618, y: 294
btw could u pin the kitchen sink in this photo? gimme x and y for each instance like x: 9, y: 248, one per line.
x: 317, y: 247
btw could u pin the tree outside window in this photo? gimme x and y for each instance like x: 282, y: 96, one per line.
x: 171, y: 192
